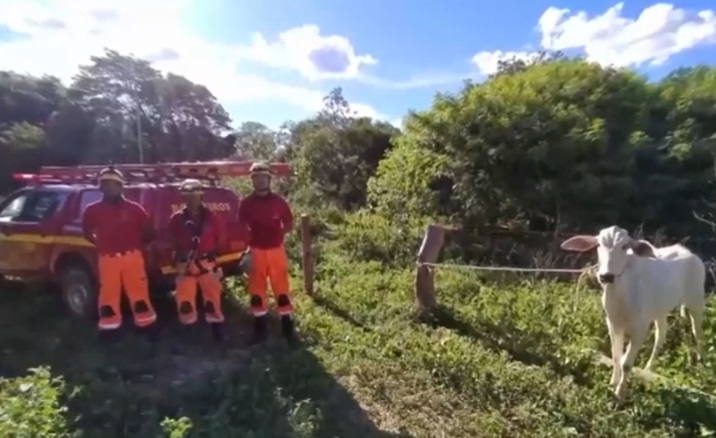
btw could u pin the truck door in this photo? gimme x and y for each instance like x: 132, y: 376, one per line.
x: 10, y: 209
x: 29, y: 233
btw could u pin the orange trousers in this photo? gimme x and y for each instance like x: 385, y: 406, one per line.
x: 269, y: 265
x: 210, y: 284
x: 123, y: 271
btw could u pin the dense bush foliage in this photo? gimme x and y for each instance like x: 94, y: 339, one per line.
x: 564, y: 145
x: 556, y: 146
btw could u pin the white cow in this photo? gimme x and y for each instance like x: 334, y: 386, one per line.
x: 641, y: 286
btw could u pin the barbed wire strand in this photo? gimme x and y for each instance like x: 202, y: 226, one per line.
x: 584, y: 273
x: 502, y: 268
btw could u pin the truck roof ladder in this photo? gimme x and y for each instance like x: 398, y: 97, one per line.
x: 211, y: 172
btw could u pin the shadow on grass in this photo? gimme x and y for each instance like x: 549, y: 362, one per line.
x: 126, y: 388
x: 332, y: 410
x: 331, y: 306
x: 497, y: 339
x: 694, y: 413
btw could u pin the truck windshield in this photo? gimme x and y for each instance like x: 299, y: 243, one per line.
x: 14, y: 208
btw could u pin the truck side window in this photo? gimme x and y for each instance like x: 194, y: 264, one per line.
x: 41, y: 206
x: 13, y: 207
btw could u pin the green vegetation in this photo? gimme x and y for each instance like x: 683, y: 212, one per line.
x: 556, y: 146
x: 502, y: 357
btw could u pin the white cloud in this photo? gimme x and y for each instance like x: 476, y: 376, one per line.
x: 488, y: 62
x: 659, y: 32
x: 313, y: 55
x: 317, y: 57
x: 58, y: 35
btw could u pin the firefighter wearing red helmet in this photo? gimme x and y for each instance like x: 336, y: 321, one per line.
x: 198, y: 235
x: 119, y: 228
x: 266, y: 218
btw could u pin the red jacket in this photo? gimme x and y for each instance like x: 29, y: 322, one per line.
x: 213, y: 232
x: 116, y: 227
x: 264, y: 220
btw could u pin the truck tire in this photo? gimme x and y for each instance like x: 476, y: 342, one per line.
x: 79, y: 291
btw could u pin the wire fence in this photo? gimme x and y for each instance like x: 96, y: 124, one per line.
x: 583, y: 273
x: 504, y: 268
x: 538, y: 252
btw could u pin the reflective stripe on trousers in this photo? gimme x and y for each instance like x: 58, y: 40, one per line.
x: 269, y: 266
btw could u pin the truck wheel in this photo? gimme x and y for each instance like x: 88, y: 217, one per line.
x: 79, y: 292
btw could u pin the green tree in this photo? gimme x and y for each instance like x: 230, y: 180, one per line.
x: 26, y: 103
x: 22, y: 148
x: 133, y: 104
x: 255, y: 141
x: 28, y: 99
x: 335, y: 154
x: 560, y: 143
x: 192, y: 121
x: 414, y: 179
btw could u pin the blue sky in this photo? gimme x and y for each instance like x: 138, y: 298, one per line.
x: 389, y: 56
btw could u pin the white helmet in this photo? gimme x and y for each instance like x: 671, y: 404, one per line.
x: 191, y: 186
x: 260, y: 167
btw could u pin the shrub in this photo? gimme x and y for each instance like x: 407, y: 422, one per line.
x: 30, y: 406
x: 370, y: 237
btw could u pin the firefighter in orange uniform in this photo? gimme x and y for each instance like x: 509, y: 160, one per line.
x: 198, y: 235
x: 266, y: 218
x: 119, y: 228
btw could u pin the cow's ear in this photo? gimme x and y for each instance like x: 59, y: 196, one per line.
x: 581, y: 243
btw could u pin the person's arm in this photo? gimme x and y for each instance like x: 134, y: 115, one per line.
x: 222, y: 242
x: 173, y: 227
x: 244, y: 220
x: 149, y: 232
x: 89, y: 224
x: 286, y: 216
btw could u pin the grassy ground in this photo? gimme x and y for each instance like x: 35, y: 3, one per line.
x: 504, y: 357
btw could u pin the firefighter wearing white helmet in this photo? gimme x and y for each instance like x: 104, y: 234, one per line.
x: 198, y: 235
x: 191, y: 186
x: 260, y: 167
x: 120, y: 228
x: 265, y: 219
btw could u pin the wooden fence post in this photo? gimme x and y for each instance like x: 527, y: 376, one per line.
x: 307, y: 254
x: 425, y: 275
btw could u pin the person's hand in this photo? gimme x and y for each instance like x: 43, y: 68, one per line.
x: 150, y: 256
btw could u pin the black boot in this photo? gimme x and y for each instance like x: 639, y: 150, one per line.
x: 217, y: 332
x: 260, y: 330
x: 287, y: 329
